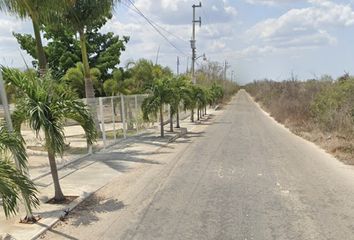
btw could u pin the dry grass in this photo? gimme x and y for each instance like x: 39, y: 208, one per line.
x: 319, y: 111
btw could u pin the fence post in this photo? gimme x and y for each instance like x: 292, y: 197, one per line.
x: 102, y: 122
x: 123, y: 117
x: 113, y: 119
x: 136, y: 114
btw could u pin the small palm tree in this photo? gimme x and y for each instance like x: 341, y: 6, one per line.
x: 200, y: 96
x: 45, y: 105
x: 118, y: 84
x: 160, y: 93
x: 75, y: 77
x: 217, y: 93
x: 13, y: 183
x: 181, y: 92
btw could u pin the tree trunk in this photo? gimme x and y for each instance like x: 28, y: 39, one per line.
x: 171, y: 120
x: 177, y: 118
x: 192, y: 115
x: 59, y: 196
x: 161, y: 121
x: 89, y: 90
x: 42, y: 61
x: 198, y: 114
x: 205, y: 112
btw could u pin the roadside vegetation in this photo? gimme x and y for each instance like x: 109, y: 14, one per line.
x: 320, y: 110
x: 72, y: 60
x: 15, y: 185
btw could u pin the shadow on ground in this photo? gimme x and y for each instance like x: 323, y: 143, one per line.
x: 86, y: 213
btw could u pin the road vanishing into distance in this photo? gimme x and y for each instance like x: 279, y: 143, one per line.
x: 240, y: 176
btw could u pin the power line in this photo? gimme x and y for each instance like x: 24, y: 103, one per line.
x: 151, y: 22
x: 156, y: 29
x: 155, y: 23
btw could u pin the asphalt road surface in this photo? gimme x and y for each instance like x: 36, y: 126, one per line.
x: 244, y: 177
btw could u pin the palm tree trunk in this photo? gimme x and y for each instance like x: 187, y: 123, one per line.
x: 89, y: 90
x: 177, y: 118
x: 42, y: 61
x: 161, y: 121
x: 58, y: 196
x: 171, y: 120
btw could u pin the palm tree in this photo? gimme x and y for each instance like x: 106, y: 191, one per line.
x: 217, y: 93
x: 39, y: 11
x: 160, y: 94
x: 200, y: 96
x: 118, y: 84
x: 181, y: 92
x: 13, y: 183
x: 75, y: 77
x: 46, y: 105
x: 81, y: 15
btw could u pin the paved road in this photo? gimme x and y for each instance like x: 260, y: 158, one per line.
x: 245, y: 177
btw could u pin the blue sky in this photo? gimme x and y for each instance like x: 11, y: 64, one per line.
x: 259, y: 38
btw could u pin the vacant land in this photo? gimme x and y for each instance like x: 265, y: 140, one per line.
x: 321, y: 111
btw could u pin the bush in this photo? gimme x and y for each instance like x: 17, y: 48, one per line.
x: 327, y: 104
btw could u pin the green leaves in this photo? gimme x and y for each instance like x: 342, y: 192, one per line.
x: 46, y: 104
x: 13, y: 182
x: 160, y: 93
x: 75, y: 77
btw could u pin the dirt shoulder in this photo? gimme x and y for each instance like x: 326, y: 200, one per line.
x: 341, y: 147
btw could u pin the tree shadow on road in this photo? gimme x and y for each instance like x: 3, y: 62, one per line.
x: 87, y: 212
x: 65, y: 236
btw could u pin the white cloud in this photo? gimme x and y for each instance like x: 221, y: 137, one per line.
x: 272, y: 2
x: 180, y: 11
x: 306, y: 26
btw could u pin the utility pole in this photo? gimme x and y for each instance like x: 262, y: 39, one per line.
x: 178, y: 65
x: 193, y: 41
x: 226, y: 66
x: 193, y: 45
x: 157, y: 55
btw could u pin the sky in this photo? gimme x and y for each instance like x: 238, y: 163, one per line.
x: 272, y: 39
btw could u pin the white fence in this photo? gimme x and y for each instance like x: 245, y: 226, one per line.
x: 119, y: 117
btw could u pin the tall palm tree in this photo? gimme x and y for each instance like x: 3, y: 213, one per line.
x: 38, y: 11
x: 13, y: 183
x: 160, y: 93
x: 81, y: 15
x: 46, y: 105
